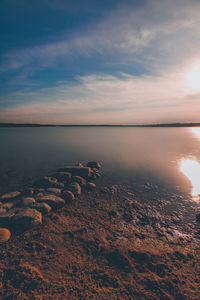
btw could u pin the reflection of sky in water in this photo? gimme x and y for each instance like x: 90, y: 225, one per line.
x: 170, y: 155
x: 191, y: 168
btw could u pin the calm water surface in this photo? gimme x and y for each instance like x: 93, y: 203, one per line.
x: 170, y: 154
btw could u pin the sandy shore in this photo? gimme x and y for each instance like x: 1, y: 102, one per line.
x: 121, y: 241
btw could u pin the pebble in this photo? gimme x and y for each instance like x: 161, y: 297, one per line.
x: 4, y: 235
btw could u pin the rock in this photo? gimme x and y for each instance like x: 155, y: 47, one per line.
x: 198, y: 218
x: 10, y: 196
x: 46, y: 182
x: 2, y: 210
x: 28, y: 201
x: 93, y: 177
x: 43, y: 207
x: 84, y: 172
x: 75, y: 188
x: 93, y: 165
x: 52, y: 200
x: 41, y: 190
x: 4, y: 235
x: 54, y: 191
x: 59, y: 185
x: 62, y: 176
x: 90, y: 186
x: 80, y: 180
x: 8, y: 205
x: 28, y: 192
x: 79, y: 165
x: 6, y: 217
x: 68, y: 196
x: 27, y: 218
x: 39, y: 195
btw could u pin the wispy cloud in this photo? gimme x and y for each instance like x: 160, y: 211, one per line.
x: 156, y: 33
x: 109, y: 99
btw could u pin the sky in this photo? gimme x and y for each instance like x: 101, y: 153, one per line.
x: 99, y: 61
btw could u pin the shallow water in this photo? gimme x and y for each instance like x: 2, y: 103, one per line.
x: 170, y: 154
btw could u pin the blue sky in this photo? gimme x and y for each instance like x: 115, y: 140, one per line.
x: 99, y: 62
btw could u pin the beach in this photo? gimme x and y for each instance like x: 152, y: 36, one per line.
x: 118, y: 241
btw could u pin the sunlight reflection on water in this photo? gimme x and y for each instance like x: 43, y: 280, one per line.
x: 191, y: 168
x: 195, y: 131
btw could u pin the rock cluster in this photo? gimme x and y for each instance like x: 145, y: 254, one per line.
x: 23, y: 210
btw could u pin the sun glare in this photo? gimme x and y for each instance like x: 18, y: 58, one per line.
x: 191, y: 169
x: 193, y: 78
x: 195, y: 131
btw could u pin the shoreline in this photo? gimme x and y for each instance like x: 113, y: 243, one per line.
x: 115, y: 241
x: 101, y: 125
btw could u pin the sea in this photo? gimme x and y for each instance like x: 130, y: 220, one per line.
x: 170, y: 155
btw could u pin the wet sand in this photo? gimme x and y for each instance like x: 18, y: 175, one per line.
x: 124, y: 240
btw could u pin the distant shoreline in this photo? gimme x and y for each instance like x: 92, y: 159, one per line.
x: 99, y: 125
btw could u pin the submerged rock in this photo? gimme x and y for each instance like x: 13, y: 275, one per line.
x: 52, y: 200
x: 46, y: 182
x: 90, y: 186
x: 10, y: 196
x: 68, y: 196
x: 27, y: 218
x: 4, y: 235
x: 62, y: 176
x: 75, y: 188
x: 84, y: 172
x: 94, y: 165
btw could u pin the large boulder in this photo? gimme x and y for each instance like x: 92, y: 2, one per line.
x: 62, y: 176
x: 26, y: 218
x: 52, y: 200
x: 10, y: 197
x: 75, y: 188
x: 94, y: 165
x: 84, y: 172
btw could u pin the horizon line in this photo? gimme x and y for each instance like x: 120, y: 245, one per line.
x: 177, y: 124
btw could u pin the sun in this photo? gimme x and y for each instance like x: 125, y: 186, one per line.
x: 193, y: 78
